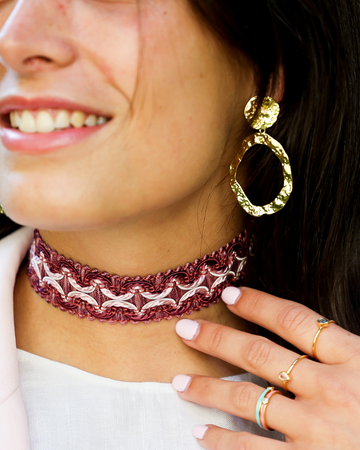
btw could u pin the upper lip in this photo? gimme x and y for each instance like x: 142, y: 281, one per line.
x: 14, y: 103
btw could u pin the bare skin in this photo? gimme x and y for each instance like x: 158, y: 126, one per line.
x: 142, y: 352
x: 146, y: 194
x: 149, y: 191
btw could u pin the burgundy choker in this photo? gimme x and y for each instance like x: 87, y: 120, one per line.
x: 90, y: 293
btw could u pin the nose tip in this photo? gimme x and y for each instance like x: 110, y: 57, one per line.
x: 31, y: 40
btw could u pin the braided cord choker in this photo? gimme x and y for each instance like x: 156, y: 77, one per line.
x: 90, y: 293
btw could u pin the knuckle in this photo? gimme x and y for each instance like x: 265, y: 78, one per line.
x: 216, y: 338
x: 244, y: 397
x: 258, y: 352
x: 256, y: 305
x: 293, y: 319
x: 220, y: 440
x: 243, y: 441
x: 202, y: 389
x: 240, y: 441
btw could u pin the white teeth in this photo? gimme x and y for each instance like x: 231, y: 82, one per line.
x: 15, y: 119
x: 27, y: 124
x: 44, y: 122
x: 62, y: 119
x: 77, y: 119
x: 91, y: 121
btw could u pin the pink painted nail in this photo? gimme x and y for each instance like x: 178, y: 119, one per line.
x: 199, y: 431
x: 187, y: 329
x: 181, y: 383
x: 231, y: 295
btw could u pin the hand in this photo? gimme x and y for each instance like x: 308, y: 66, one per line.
x: 325, y: 413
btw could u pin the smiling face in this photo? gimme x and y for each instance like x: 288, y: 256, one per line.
x: 112, y: 109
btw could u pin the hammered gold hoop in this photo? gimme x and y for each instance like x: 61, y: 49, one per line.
x: 264, y: 119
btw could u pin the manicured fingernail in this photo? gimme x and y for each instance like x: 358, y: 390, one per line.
x: 187, y: 329
x: 231, y: 295
x: 181, y: 383
x: 199, y: 431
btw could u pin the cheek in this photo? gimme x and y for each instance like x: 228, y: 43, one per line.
x: 171, y: 144
x: 108, y: 38
x: 177, y: 134
x: 179, y: 127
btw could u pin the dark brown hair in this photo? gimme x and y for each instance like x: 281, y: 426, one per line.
x: 309, y: 251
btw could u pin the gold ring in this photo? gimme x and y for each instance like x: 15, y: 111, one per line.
x: 285, y: 376
x: 265, y: 405
x: 322, y: 323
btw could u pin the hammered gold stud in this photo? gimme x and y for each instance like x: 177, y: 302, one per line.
x: 266, y: 117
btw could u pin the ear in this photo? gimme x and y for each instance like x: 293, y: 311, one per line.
x: 277, y: 85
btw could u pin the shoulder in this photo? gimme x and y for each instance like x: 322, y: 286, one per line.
x: 14, y: 247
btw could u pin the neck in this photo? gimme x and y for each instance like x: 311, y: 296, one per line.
x: 142, y: 352
x: 153, y: 242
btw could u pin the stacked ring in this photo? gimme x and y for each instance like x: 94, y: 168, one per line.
x: 259, y: 403
x: 264, y: 405
x: 261, y: 406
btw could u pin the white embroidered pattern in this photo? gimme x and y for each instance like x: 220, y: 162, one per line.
x: 98, y: 295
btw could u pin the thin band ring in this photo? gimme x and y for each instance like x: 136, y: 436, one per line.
x: 264, y: 405
x: 259, y: 403
x: 285, y: 376
x: 322, y: 323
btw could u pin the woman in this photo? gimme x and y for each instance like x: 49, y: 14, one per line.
x: 119, y: 121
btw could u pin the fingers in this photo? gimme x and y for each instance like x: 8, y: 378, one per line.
x: 254, y: 354
x: 216, y: 438
x: 240, y: 399
x: 295, y: 323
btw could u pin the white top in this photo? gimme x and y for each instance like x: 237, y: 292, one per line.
x: 70, y: 409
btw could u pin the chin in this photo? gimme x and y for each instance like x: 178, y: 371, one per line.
x: 48, y: 216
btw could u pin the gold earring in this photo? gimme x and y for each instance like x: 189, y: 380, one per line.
x: 265, y: 119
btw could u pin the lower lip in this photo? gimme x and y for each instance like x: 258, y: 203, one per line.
x: 35, y: 143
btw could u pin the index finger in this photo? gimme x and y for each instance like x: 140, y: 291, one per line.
x: 295, y: 323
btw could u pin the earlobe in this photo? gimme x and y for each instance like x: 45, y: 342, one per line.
x: 277, y: 85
